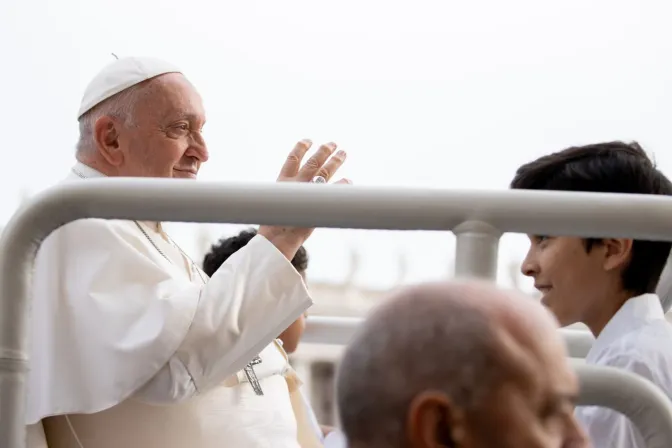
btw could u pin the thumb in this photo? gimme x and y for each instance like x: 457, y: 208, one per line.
x: 344, y: 181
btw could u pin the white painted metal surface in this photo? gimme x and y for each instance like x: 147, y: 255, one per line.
x: 482, y: 215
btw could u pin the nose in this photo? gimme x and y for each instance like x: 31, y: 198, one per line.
x: 529, y: 267
x: 198, y: 148
x: 577, y: 436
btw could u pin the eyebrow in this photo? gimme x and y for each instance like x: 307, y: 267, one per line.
x: 536, y: 237
x: 182, y: 114
x: 187, y: 116
x: 571, y: 397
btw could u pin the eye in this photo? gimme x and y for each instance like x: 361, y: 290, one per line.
x: 554, y: 410
x: 178, y: 130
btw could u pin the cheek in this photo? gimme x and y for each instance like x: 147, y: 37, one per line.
x: 564, y: 266
x: 573, y: 274
x: 167, y: 153
x: 509, y: 424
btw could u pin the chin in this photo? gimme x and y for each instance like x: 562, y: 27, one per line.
x: 549, y: 306
x: 562, y: 318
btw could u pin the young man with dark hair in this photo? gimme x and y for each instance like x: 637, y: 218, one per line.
x: 226, y: 247
x: 608, y: 284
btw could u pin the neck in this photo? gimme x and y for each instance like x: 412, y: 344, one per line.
x: 93, y: 162
x: 604, y: 310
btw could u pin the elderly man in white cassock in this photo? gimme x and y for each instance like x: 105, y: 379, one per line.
x: 132, y: 344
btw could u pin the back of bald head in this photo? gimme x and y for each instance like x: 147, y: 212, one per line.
x: 439, y: 336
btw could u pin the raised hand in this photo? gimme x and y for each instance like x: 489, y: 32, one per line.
x: 323, y: 163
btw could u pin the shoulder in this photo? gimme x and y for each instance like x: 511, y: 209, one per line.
x: 653, y: 339
x: 94, y: 235
x: 631, y: 360
x: 97, y: 249
x: 647, y: 353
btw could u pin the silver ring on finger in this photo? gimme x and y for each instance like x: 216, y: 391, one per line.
x: 318, y: 180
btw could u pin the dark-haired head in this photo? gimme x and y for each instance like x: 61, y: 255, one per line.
x: 631, y: 267
x: 224, y: 248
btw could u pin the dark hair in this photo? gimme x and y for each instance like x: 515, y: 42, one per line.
x: 226, y: 247
x: 613, y: 167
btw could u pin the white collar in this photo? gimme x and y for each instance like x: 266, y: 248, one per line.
x: 634, y: 313
x: 84, y: 171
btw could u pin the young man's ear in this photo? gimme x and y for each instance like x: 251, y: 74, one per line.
x: 617, y: 253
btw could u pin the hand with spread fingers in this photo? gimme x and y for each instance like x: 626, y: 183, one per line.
x: 319, y: 168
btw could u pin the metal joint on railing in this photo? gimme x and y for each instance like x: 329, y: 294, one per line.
x: 477, y: 246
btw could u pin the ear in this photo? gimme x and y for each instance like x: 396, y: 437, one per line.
x: 617, y: 253
x: 106, y: 134
x: 433, y: 421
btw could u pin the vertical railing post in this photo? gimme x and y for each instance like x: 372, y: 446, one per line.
x: 476, y: 250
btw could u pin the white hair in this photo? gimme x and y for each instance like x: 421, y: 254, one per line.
x: 410, y: 345
x: 120, y: 106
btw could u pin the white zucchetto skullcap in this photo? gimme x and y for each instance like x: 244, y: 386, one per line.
x: 119, y: 76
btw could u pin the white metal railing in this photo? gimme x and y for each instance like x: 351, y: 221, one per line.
x: 477, y: 218
x: 339, y: 331
x: 630, y: 394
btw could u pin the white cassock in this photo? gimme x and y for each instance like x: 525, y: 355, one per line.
x: 133, y: 346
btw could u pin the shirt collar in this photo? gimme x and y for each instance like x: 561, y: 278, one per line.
x: 84, y: 171
x: 634, y: 313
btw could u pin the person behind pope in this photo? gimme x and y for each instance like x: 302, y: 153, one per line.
x: 290, y: 337
x: 226, y: 247
x: 132, y: 344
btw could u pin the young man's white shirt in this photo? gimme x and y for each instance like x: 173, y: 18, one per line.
x: 637, y: 339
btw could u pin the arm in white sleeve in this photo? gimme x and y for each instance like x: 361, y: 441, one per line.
x: 112, y: 318
x: 247, y: 303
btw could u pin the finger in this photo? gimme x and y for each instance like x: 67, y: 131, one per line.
x: 293, y: 162
x: 315, y: 162
x: 333, y: 164
x: 343, y: 182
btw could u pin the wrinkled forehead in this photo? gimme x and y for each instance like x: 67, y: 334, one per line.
x: 171, y: 97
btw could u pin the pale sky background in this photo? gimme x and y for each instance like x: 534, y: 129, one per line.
x: 441, y: 94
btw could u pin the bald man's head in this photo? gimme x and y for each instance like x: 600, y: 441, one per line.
x: 431, y: 361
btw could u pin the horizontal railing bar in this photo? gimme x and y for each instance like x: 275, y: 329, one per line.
x: 339, y: 331
x: 349, y: 206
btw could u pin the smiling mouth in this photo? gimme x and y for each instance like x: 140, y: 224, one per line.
x: 188, y: 172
